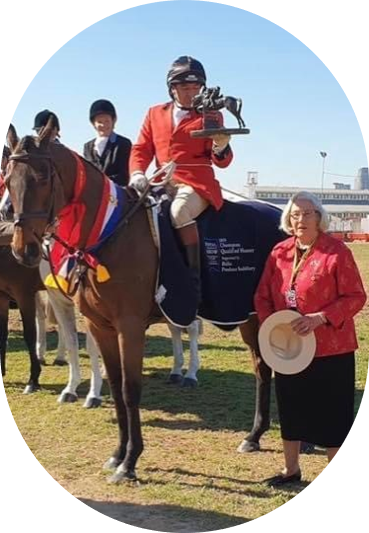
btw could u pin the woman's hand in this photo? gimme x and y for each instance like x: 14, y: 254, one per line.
x: 307, y: 323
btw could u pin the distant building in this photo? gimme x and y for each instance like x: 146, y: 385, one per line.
x: 342, y: 186
x: 347, y: 207
x: 362, y: 179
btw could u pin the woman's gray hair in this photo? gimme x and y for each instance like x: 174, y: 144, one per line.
x: 309, y: 197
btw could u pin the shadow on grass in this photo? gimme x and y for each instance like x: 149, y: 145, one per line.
x: 157, y: 345
x: 265, y: 493
x: 16, y: 341
x: 171, y: 518
x: 223, y: 401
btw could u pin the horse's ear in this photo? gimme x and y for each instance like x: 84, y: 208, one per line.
x: 45, y: 133
x: 12, y: 138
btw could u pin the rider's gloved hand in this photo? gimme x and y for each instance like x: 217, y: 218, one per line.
x: 220, y: 142
x: 138, y: 181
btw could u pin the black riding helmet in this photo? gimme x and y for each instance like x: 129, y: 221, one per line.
x: 102, y: 107
x: 41, y: 119
x: 185, y: 69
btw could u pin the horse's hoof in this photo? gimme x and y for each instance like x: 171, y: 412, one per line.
x: 31, y: 388
x: 60, y: 362
x: 92, y: 403
x: 189, y: 383
x: 67, y: 397
x: 111, y: 464
x: 42, y: 361
x: 247, y: 446
x: 122, y: 475
x: 175, y: 379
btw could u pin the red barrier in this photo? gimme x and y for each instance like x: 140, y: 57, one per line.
x: 349, y: 236
x: 364, y: 237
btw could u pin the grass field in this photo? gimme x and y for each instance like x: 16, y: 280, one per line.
x: 190, y: 476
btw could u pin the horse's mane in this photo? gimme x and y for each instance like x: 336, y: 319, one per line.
x: 27, y: 144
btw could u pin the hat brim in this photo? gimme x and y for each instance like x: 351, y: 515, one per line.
x: 282, y: 360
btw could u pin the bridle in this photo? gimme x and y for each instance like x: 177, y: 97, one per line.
x: 49, y: 215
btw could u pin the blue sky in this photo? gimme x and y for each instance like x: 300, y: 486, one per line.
x: 291, y: 102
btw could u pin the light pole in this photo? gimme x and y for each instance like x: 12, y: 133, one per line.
x: 324, y: 155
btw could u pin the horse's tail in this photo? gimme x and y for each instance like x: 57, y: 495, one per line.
x: 200, y: 327
x: 239, y: 105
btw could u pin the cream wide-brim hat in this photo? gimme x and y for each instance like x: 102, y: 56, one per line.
x: 282, y: 349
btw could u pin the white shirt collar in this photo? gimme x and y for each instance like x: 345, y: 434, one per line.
x: 101, y: 142
x: 99, y: 145
x: 178, y: 114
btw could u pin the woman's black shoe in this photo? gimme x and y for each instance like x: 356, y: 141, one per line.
x: 280, y: 480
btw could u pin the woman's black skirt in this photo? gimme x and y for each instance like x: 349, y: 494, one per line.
x: 317, y: 405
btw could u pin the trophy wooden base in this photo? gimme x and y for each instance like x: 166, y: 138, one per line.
x: 219, y: 131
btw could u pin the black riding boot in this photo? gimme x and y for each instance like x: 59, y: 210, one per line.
x: 190, y: 239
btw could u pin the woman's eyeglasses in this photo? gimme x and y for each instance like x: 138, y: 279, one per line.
x: 296, y: 215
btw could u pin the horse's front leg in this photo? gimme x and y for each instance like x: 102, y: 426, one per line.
x: 93, y: 398
x: 190, y: 379
x: 40, y: 328
x: 4, y: 316
x: 64, y: 314
x: 107, y: 343
x: 131, y: 340
x: 27, y: 307
x: 175, y: 375
x: 263, y: 376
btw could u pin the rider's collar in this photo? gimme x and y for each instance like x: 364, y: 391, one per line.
x: 181, y: 107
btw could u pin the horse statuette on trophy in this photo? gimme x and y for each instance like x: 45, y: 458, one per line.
x: 210, y: 100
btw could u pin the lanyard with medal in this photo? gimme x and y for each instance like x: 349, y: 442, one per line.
x: 290, y: 294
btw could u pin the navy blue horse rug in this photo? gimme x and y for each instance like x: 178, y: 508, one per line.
x: 235, y: 243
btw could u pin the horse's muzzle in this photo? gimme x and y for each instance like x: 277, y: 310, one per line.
x: 30, y: 257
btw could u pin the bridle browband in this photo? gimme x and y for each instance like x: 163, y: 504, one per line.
x: 18, y: 218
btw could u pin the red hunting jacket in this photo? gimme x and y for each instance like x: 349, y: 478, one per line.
x: 194, y: 157
x: 328, y: 282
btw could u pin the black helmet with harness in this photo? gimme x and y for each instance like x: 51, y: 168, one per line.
x: 102, y: 107
x: 185, y: 69
x: 41, y: 119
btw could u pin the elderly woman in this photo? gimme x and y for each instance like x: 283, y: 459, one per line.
x: 315, y: 274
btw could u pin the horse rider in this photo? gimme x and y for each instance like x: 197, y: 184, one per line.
x: 165, y: 136
x: 108, y: 151
x: 42, y: 118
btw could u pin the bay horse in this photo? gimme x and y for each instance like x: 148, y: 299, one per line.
x: 20, y: 284
x: 41, y: 178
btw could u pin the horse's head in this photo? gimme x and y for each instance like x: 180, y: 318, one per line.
x: 30, y: 179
